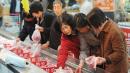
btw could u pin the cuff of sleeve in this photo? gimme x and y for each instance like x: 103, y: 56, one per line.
x: 108, y: 61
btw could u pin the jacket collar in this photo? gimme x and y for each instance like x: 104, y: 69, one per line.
x: 105, y: 29
x: 107, y: 26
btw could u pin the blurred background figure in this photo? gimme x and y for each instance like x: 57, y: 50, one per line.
x: 50, y: 4
x: 17, y: 9
x: 55, y: 31
x: 1, y: 13
x: 85, y: 6
x: 12, y: 6
x: 71, y: 2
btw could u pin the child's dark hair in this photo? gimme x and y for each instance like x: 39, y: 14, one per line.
x: 36, y: 7
x: 96, y: 17
x: 81, y: 20
x: 67, y: 19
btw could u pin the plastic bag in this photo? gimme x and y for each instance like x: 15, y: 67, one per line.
x: 36, y: 50
x: 11, y: 58
x: 36, y: 36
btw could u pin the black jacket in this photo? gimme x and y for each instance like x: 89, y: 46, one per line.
x: 29, y: 27
x: 46, y: 24
x: 55, y: 34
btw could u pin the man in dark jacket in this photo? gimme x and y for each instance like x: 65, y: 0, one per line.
x: 28, y: 27
x: 55, y: 34
x: 55, y: 31
x: 44, y: 20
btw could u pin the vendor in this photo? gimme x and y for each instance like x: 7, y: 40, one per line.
x: 85, y: 6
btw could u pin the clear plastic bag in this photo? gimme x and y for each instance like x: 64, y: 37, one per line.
x: 36, y: 49
x: 36, y: 36
x: 11, y: 58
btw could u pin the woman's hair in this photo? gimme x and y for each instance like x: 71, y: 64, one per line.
x: 61, y: 2
x: 67, y: 19
x: 81, y: 20
x: 96, y: 17
x: 36, y: 7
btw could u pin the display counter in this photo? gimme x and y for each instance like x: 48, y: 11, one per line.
x: 51, y: 55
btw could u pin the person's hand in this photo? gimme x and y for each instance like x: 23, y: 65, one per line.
x: 70, y: 54
x: 41, y: 29
x: 59, y: 47
x: 45, y: 46
x: 91, y: 61
x: 100, y: 60
x: 17, y: 40
x: 78, y: 70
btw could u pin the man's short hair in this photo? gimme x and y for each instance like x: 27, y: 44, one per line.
x: 36, y: 7
x: 96, y: 17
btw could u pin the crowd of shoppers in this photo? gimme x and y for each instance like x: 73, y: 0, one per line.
x: 83, y: 35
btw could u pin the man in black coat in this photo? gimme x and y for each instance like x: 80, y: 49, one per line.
x: 55, y: 31
x: 44, y: 20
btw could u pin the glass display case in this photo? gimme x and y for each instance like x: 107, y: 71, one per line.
x: 51, y: 56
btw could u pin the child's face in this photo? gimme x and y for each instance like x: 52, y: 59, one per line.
x: 66, y: 29
x: 57, y: 9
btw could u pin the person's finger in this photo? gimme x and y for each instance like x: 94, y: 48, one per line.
x: 78, y: 70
